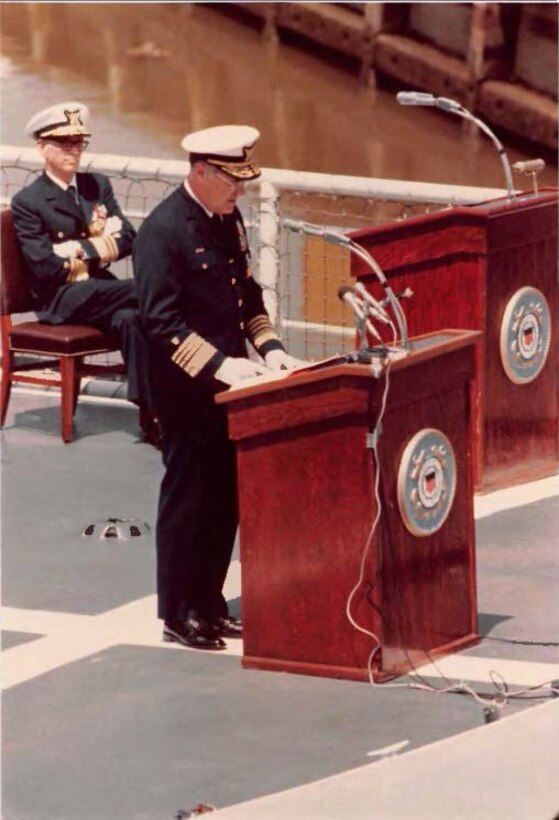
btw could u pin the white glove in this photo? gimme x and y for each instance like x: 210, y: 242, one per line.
x: 68, y: 250
x: 280, y: 360
x: 112, y: 225
x: 233, y: 370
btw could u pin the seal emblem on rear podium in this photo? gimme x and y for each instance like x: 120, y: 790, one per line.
x: 525, y: 335
x: 426, y: 481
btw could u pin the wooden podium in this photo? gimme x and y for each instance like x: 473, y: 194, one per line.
x: 487, y: 267
x: 307, y: 505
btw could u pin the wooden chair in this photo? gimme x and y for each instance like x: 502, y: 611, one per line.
x: 60, y: 347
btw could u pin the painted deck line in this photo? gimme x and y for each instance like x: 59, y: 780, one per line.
x: 69, y: 638
x: 472, y: 668
x: 481, y: 773
x: 40, y: 622
x: 109, y: 400
x: 518, y: 496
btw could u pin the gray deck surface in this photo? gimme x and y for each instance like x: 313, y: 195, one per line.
x: 102, y: 721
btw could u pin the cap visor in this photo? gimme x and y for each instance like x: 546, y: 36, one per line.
x: 65, y: 131
x: 237, y: 170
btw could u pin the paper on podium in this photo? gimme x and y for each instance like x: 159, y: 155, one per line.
x: 276, y: 375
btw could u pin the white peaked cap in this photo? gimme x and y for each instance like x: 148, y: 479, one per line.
x: 66, y: 119
x: 226, y: 146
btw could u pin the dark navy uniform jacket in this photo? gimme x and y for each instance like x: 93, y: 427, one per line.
x: 198, y: 300
x: 45, y: 214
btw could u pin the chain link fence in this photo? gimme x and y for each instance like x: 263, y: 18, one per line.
x: 300, y: 274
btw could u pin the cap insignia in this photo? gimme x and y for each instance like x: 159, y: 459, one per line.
x: 73, y: 117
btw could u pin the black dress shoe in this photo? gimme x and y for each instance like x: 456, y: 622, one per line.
x: 194, y: 632
x: 227, y: 626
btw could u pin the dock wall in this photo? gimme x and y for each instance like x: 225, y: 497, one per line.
x: 499, y: 60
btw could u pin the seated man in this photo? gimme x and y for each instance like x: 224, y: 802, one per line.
x: 70, y: 228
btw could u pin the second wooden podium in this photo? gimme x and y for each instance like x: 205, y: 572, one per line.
x: 489, y: 267
x: 307, y: 503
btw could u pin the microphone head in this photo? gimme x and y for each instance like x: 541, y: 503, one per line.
x: 343, y: 290
x: 415, y: 98
x: 529, y: 166
x: 405, y: 97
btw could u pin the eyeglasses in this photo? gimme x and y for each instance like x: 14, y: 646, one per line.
x: 69, y: 145
x: 230, y: 181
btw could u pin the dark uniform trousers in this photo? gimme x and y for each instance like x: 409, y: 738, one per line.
x: 197, y: 515
x: 199, y: 303
x: 45, y: 215
x: 111, y: 306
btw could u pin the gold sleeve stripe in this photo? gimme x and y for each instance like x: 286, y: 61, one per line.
x: 258, y: 323
x: 182, y: 356
x: 106, y: 247
x: 78, y: 270
x: 193, y: 353
x: 260, y: 330
x: 262, y: 338
x: 114, y: 247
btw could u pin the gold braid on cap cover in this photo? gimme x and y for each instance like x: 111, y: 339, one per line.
x: 244, y: 168
x: 72, y: 127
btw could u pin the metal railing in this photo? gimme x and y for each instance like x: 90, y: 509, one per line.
x: 299, y: 275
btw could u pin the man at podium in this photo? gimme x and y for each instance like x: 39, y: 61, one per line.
x: 200, y: 305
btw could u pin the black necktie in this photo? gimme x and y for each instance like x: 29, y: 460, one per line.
x: 73, y: 191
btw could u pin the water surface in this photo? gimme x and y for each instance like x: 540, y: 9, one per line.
x: 152, y: 72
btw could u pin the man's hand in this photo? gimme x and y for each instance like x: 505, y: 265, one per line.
x: 280, y: 360
x: 234, y: 370
x: 113, y: 225
x: 68, y: 250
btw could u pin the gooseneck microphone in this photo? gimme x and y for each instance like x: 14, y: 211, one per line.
x: 375, y: 308
x: 421, y: 98
x: 346, y: 294
x: 316, y: 230
x: 454, y: 107
x: 415, y: 98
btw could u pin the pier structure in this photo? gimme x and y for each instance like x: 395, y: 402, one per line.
x: 498, y: 59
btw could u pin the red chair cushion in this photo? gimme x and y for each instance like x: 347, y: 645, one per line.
x: 58, y: 339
